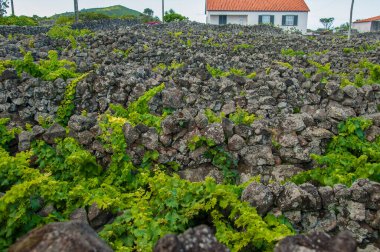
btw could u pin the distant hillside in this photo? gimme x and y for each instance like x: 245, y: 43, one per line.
x: 113, y: 11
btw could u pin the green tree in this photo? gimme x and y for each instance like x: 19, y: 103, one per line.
x: 343, y: 27
x: 3, y: 7
x: 327, y: 22
x: 171, y: 16
x: 148, y: 12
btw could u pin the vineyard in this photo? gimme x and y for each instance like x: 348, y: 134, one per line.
x: 188, y: 137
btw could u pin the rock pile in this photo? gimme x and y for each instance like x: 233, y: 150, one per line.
x: 297, y: 105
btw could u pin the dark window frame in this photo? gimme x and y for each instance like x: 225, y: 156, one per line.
x: 295, y: 20
x: 222, y: 19
x: 271, y: 19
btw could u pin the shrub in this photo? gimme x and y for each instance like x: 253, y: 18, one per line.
x: 18, y: 20
x: 291, y: 52
x: 152, y: 203
x: 66, y: 32
x: 171, y: 16
x: 242, y: 46
x: 50, y: 69
x: 349, y: 157
x: 240, y: 116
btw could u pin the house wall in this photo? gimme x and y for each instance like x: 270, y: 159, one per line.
x: 233, y: 17
x: 362, y: 27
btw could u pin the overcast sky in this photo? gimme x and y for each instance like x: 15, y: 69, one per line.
x: 194, y: 9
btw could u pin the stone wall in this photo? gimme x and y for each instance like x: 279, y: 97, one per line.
x: 323, y: 209
x: 6, y: 30
x: 297, y: 107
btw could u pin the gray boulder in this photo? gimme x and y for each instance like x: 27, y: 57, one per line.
x: 198, y: 239
x: 24, y: 139
x: 214, y: 132
x: 80, y: 123
x: 257, y: 155
x: 130, y: 133
x: 69, y: 236
x: 258, y: 196
x: 55, y: 131
x: 318, y: 241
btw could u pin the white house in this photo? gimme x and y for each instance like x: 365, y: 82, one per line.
x: 367, y: 25
x: 282, y: 13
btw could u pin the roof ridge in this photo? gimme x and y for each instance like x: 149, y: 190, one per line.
x: 257, y: 5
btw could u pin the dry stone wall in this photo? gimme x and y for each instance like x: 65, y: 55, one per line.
x: 297, y: 107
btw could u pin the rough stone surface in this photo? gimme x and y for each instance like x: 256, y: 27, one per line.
x: 54, y: 132
x: 64, y: 236
x: 197, y: 239
x: 258, y: 196
x: 322, y: 242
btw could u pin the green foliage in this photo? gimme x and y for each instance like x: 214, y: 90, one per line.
x: 348, y: 50
x: 125, y: 53
x: 369, y: 74
x: 319, y: 53
x: 173, y: 66
x: 214, y: 118
x: 327, y: 22
x: 285, y: 64
x: 241, y: 116
x: 65, y: 20
x: 237, y: 72
x: 18, y: 20
x: 67, y: 161
x: 6, y: 135
x: 67, y: 105
x: 210, y: 42
x: 148, y: 202
x: 218, y: 73
x: 45, y: 122
x: 4, y: 64
x: 171, y: 16
x: 306, y: 74
x: 50, y: 69
x: 67, y: 33
x: 374, y: 71
x: 251, y: 75
x: 138, y: 111
x: 171, y: 204
x: 349, y: 157
x: 219, y: 157
x: 292, y: 53
x: 326, y: 69
x: 365, y: 47
x: 242, y: 46
x: 117, y: 11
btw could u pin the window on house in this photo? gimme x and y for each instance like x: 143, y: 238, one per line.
x: 266, y: 19
x: 290, y: 20
x: 222, y: 19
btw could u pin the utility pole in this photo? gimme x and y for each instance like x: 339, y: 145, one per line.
x: 76, y: 12
x: 163, y: 11
x: 13, y: 8
x: 350, y: 28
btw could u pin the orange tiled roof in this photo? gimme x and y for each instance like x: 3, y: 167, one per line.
x: 368, y: 20
x: 256, y: 5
